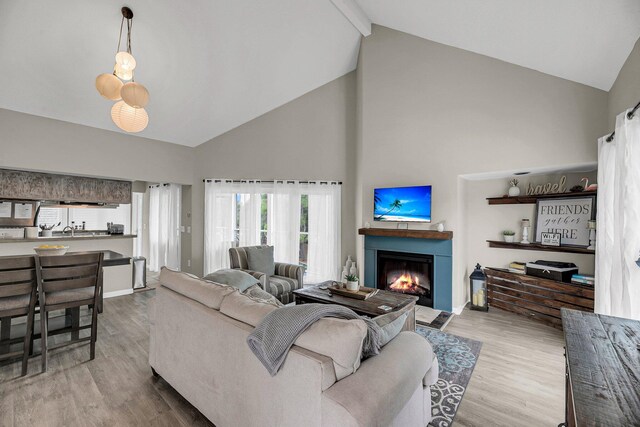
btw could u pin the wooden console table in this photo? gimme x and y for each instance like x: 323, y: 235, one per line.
x: 534, y: 297
x: 603, y: 369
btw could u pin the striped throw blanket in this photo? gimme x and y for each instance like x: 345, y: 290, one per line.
x: 271, y: 340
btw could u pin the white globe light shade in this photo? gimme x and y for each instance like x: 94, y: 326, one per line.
x: 125, y: 60
x: 122, y: 73
x: 109, y: 86
x: 135, y: 95
x: 128, y: 118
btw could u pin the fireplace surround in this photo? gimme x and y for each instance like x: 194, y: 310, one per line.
x: 412, y: 242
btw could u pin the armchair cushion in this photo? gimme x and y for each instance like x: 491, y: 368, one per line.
x: 237, y: 278
x: 279, y: 285
x: 260, y: 258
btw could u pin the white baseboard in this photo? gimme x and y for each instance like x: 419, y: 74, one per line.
x: 458, y: 310
x: 117, y: 293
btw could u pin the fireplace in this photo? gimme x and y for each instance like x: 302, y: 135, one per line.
x: 406, y: 273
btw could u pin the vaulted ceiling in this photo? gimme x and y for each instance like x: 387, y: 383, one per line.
x: 212, y: 65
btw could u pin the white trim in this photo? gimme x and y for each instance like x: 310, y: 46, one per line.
x: 354, y: 14
x: 117, y: 293
x: 458, y: 310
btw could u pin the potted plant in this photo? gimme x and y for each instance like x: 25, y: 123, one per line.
x: 514, y: 190
x: 509, y: 236
x: 352, y: 282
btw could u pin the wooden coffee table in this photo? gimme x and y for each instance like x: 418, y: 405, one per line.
x: 370, y: 307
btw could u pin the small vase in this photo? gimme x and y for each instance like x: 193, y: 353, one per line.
x: 348, y: 264
x: 354, y: 269
x: 353, y: 286
x: 343, y: 276
x: 508, y: 239
x: 514, y: 191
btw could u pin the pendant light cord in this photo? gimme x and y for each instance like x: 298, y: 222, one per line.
x: 120, y: 35
x: 129, y: 27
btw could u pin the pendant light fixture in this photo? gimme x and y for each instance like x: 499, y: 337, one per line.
x: 128, y: 113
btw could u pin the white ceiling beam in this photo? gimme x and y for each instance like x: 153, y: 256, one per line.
x: 354, y: 13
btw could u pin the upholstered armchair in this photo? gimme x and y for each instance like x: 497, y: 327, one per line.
x: 285, y: 278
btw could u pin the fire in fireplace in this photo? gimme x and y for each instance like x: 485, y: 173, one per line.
x: 406, y: 273
x: 409, y: 283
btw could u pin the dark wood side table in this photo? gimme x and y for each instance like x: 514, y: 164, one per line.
x: 603, y: 369
x: 369, y: 307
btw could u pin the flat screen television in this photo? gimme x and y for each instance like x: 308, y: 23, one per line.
x: 402, y: 204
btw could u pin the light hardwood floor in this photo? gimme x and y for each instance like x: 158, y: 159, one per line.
x: 518, y: 380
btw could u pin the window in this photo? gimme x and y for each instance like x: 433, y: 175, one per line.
x: 301, y: 221
x: 94, y: 218
x: 304, y: 228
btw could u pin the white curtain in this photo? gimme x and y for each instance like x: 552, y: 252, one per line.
x: 324, y: 231
x: 250, y: 203
x: 165, y: 201
x: 284, y: 221
x: 617, y: 290
x: 219, y: 224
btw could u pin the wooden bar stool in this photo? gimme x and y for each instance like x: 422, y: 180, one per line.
x: 68, y: 281
x: 18, y: 287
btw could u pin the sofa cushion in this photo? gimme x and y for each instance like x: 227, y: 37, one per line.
x: 394, y: 374
x: 205, y: 292
x: 256, y: 292
x: 279, y: 285
x: 236, y: 278
x: 260, y: 258
x: 246, y: 309
x: 339, y: 339
x: 390, y: 326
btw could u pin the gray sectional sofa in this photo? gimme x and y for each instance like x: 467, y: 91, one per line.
x: 198, y: 345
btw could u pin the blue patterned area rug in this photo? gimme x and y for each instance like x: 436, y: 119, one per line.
x: 457, y: 356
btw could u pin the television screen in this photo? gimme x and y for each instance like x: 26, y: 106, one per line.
x: 402, y: 204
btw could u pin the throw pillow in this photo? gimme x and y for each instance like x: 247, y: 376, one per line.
x: 236, y: 278
x: 256, y: 292
x: 260, y: 258
x: 390, y: 326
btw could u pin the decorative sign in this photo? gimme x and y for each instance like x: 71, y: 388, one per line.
x: 5, y: 209
x: 550, y: 239
x: 566, y: 216
x: 23, y: 211
x: 548, y: 188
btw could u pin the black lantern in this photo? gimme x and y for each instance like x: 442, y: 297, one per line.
x: 478, y: 289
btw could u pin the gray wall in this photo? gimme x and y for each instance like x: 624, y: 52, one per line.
x: 625, y: 92
x: 431, y: 113
x: 312, y: 137
x: 37, y: 143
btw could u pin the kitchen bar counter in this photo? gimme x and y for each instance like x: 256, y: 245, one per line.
x: 68, y: 237
x: 118, y: 251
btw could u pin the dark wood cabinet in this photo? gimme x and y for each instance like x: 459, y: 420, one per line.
x: 603, y: 369
x: 536, y: 298
x: 22, y: 185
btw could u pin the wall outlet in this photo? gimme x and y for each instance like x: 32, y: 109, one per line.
x: 188, y: 229
x: 188, y: 263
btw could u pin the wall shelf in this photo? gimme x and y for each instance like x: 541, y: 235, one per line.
x: 539, y: 247
x: 523, y: 200
x: 415, y: 234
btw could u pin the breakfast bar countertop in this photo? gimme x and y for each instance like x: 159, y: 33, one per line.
x: 44, y: 240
